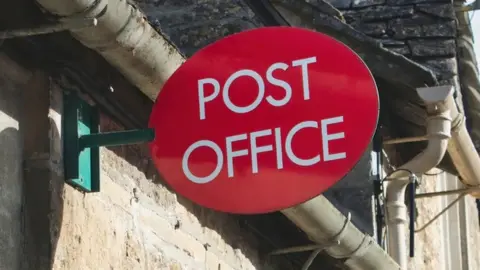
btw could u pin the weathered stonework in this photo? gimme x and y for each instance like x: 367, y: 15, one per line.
x: 445, y: 68
x: 367, y: 3
x: 372, y: 29
x: 424, y: 30
x: 440, y: 10
x: 378, y: 13
x: 425, y: 47
x: 413, y: 28
x: 341, y: 4
x: 138, y: 223
x: 409, y: 2
x: 194, y: 24
x: 403, y: 50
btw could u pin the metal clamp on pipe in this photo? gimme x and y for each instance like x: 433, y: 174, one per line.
x: 413, y: 189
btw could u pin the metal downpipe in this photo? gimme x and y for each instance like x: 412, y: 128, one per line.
x: 462, y: 146
x: 462, y: 150
x: 124, y: 38
x: 438, y: 134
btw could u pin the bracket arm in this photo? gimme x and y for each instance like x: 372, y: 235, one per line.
x: 116, y: 138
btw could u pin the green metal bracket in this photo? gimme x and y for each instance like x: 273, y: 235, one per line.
x: 81, y: 142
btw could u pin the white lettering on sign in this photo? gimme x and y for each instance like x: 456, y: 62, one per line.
x: 259, y: 149
x: 304, y: 63
x: 280, y: 83
x: 258, y: 99
x: 330, y: 137
x: 254, y: 150
x: 288, y: 144
x: 279, y: 144
x: 203, y: 99
x: 188, y: 152
x: 231, y: 154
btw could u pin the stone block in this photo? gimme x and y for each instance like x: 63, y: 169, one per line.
x: 159, y: 226
x: 367, y: 3
x: 212, y: 262
x: 410, y: 2
x: 408, y: 28
x: 371, y: 29
x: 446, y: 29
x: 378, y: 13
x: 426, y: 47
x: 444, y: 68
x: 439, y: 10
x: 324, y: 8
x: 403, y: 50
x: 192, y: 25
x: 391, y: 42
x: 340, y: 4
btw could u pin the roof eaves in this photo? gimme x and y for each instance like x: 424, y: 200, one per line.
x: 383, y: 63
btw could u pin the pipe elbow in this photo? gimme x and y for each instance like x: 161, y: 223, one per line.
x: 439, y: 124
x: 438, y: 134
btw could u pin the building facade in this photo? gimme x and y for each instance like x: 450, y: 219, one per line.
x: 136, y: 221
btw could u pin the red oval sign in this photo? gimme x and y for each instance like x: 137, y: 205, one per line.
x: 263, y: 120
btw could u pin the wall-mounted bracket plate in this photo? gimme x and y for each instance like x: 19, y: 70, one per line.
x: 81, y: 166
x: 81, y: 142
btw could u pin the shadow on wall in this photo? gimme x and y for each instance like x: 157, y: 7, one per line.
x: 10, y: 198
x: 43, y: 175
x: 10, y: 167
x: 43, y: 211
x: 232, y: 228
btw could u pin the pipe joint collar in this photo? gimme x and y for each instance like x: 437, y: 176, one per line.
x: 359, y: 252
x: 396, y: 212
x: 439, y: 126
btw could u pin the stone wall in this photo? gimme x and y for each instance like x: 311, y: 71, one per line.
x: 136, y: 222
x: 193, y: 24
x: 10, y: 164
x: 453, y: 240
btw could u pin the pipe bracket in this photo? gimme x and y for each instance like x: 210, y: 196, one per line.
x: 336, y: 240
x: 361, y: 249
